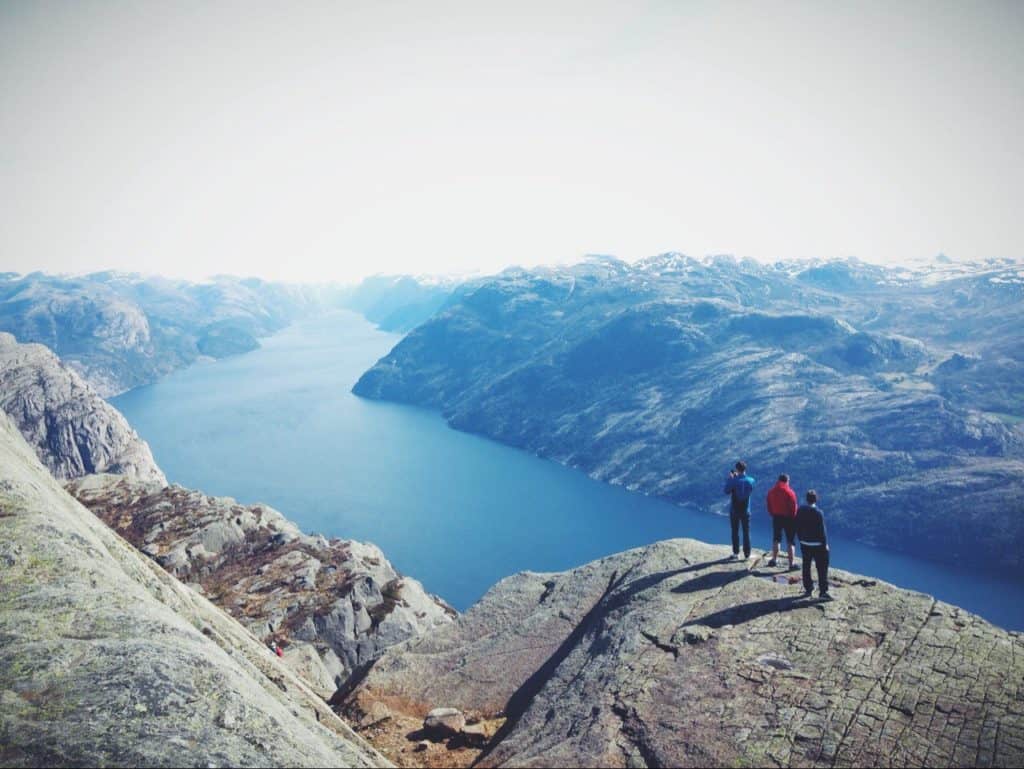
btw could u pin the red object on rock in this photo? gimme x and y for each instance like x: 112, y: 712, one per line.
x: 278, y: 652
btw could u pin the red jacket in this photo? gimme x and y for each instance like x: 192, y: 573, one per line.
x: 782, y: 501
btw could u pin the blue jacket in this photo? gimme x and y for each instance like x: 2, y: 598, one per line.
x: 741, y: 487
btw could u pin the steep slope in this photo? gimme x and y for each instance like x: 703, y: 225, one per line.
x: 672, y: 655
x: 71, y: 428
x: 333, y: 605
x: 109, y: 661
x: 658, y: 376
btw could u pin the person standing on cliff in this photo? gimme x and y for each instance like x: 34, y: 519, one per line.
x: 782, y: 508
x: 810, y: 530
x: 739, y: 486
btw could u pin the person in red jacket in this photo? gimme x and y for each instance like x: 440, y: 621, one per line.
x: 782, y: 507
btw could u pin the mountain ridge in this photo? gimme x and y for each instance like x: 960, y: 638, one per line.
x: 898, y: 400
x: 123, y: 330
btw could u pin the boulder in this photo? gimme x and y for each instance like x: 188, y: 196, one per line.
x: 476, y: 735
x: 377, y: 713
x: 444, y: 722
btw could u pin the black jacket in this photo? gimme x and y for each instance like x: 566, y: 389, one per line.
x: 810, y: 525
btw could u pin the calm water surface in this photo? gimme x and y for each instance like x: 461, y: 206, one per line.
x: 459, y: 512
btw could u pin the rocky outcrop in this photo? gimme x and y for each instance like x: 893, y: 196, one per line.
x: 672, y: 655
x: 333, y: 605
x: 71, y: 428
x: 658, y: 376
x: 110, y: 661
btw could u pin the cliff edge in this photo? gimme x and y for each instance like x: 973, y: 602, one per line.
x: 333, y: 604
x: 673, y: 655
x: 73, y: 431
x: 108, y: 660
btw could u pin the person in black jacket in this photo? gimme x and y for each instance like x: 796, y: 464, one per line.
x: 810, y: 530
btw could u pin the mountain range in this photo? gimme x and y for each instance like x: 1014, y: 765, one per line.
x: 136, y: 617
x: 121, y: 330
x: 896, y: 394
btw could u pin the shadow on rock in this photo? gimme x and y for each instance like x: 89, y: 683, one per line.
x: 716, y: 579
x: 737, y: 615
x: 637, y: 586
x: 520, y: 700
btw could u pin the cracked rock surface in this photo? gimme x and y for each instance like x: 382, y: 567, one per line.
x: 70, y: 427
x: 333, y: 605
x: 670, y: 655
x: 110, y: 661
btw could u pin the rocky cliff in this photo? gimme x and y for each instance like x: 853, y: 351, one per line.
x: 110, y: 661
x: 71, y: 428
x: 897, y: 396
x: 333, y: 605
x: 672, y: 655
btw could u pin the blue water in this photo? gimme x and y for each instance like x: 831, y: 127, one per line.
x: 279, y: 425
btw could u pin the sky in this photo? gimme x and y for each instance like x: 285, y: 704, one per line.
x: 327, y: 141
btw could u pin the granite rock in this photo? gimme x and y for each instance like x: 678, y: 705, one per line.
x: 110, y: 661
x: 73, y: 431
x: 333, y: 604
x: 673, y: 655
x: 444, y: 722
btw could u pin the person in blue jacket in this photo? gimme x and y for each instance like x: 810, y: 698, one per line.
x: 739, y: 486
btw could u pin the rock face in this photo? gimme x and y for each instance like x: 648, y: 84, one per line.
x: 897, y: 396
x: 71, y: 428
x: 110, y: 661
x: 333, y: 605
x: 672, y: 655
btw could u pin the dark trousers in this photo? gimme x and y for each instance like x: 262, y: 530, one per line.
x: 735, y: 519
x: 818, y: 554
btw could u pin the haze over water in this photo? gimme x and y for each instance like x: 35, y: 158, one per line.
x: 456, y: 511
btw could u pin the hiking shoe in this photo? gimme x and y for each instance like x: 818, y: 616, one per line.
x: 793, y: 567
x: 735, y: 556
x: 825, y: 597
x: 807, y: 594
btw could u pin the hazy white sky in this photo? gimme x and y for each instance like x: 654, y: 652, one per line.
x: 307, y: 140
